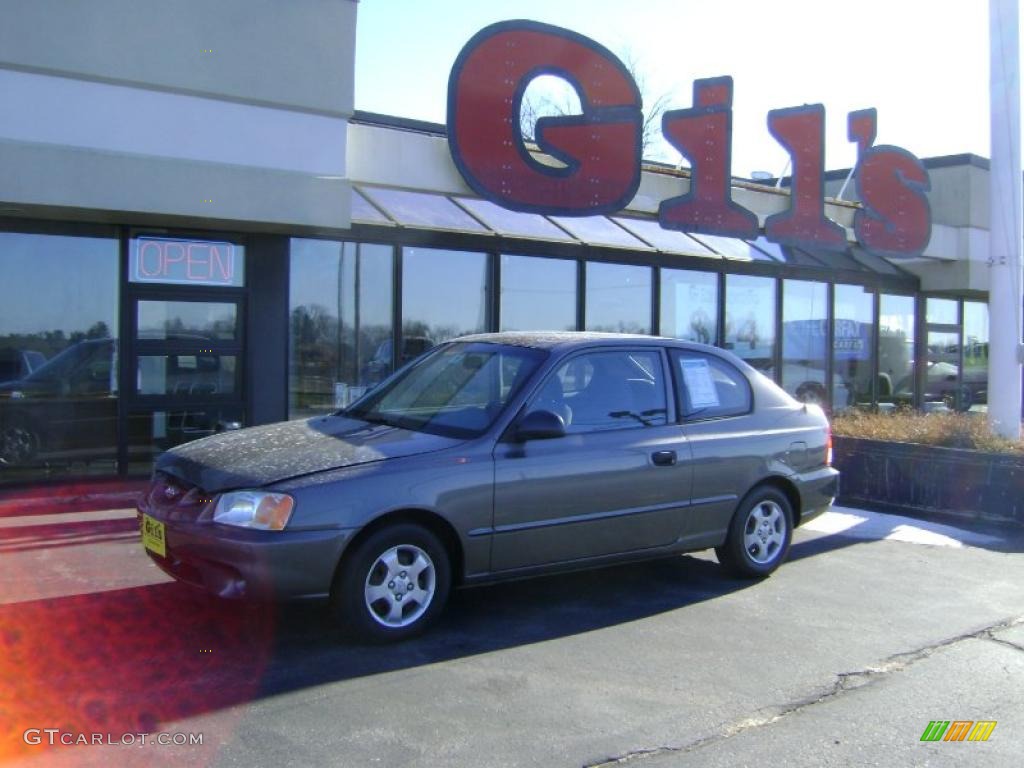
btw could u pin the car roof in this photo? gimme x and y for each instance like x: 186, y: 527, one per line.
x: 568, y: 339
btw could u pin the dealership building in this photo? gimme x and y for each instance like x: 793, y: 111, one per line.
x: 197, y: 232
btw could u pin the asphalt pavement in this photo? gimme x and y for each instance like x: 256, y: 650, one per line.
x: 875, y: 627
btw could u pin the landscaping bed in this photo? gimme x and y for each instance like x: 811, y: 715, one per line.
x: 935, y: 463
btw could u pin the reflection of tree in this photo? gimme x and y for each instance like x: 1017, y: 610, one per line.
x: 435, y: 333
x: 700, y: 327
x: 49, y: 343
x: 619, y: 327
x: 748, y: 331
x: 324, y: 352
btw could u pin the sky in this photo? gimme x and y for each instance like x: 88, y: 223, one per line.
x: 923, y: 64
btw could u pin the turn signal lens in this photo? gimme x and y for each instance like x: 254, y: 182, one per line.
x: 254, y: 509
x: 828, y: 446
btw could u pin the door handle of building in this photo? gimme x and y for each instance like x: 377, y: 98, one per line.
x: 664, y: 458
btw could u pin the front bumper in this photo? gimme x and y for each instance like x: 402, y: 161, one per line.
x: 241, y: 563
x: 818, y: 490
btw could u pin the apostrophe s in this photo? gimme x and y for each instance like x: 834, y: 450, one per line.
x: 600, y: 148
x: 896, y: 217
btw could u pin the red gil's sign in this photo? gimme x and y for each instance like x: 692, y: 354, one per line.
x: 186, y: 262
x: 600, y: 148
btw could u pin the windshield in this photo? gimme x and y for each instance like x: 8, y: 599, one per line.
x: 456, y: 391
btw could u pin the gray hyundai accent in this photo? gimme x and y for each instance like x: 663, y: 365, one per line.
x: 492, y: 457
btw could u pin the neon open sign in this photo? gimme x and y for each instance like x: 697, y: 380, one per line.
x: 185, y: 262
x: 600, y: 148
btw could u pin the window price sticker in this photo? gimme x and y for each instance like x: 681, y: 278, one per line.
x: 699, y: 383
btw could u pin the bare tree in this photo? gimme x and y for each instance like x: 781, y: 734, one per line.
x: 563, y: 100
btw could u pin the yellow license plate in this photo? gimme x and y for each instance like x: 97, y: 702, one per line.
x: 153, y: 536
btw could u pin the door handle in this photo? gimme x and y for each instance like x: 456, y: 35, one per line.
x: 664, y: 458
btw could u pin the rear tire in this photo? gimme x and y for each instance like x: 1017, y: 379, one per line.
x: 759, y: 534
x: 393, y: 585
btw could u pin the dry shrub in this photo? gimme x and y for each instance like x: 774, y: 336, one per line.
x: 949, y: 430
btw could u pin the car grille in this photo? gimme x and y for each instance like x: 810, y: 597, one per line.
x: 171, y: 498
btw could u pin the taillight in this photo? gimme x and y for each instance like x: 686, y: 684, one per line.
x: 828, y: 446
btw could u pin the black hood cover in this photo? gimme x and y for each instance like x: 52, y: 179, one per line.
x: 250, y: 458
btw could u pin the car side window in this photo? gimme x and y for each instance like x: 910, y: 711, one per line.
x: 709, y: 387
x: 598, y: 391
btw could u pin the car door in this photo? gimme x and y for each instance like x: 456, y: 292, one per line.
x: 618, y: 481
x: 728, y: 449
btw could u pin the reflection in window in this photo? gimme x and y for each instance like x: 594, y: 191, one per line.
x: 851, y: 346
x: 58, y: 352
x: 537, y: 294
x: 750, y: 319
x: 804, y: 341
x: 973, y: 393
x: 196, y: 320
x: 340, y: 327
x: 689, y: 305
x: 195, y: 375
x: 896, y: 349
x: 456, y: 391
x: 618, y: 298
x: 151, y: 432
x: 444, y: 295
x: 606, y: 390
x: 709, y: 388
x: 942, y: 311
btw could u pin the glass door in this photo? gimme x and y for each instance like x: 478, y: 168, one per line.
x: 184, y: 366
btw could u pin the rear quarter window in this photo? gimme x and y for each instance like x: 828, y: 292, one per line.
x: 708, y: 387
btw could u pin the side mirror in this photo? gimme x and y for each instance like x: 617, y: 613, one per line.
x: 540, y: 425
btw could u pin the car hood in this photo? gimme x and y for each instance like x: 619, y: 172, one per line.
x: 249, y: 458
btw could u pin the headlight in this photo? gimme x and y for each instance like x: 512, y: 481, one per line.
x: 254, y: 509
x: 16, y: 395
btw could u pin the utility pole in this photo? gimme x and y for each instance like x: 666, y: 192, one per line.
x: 1006, y: 234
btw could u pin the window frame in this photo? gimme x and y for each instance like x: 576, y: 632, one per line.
x: 674, y: 354
x: 671, y: 410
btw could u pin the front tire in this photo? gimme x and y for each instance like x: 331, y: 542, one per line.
x: 759, y: 534
x: 393, y: 585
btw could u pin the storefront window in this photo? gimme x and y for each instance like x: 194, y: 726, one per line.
x: 340, y: 310
x: 537, y: 294
x: 58, y: 356
x: 805, y: 341
x: 851, y: 347
x: 974, y: 382
x: 689, y: 305
x: 444, y: 295
x: 896, y: 352
x: 178, y: 319
x: 750, y: 319
x: 942, y: 311
x: 618, y: 298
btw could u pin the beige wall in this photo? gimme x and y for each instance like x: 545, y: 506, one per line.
x: 229, y: 111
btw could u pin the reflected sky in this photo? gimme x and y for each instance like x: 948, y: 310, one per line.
x: 43, y: 278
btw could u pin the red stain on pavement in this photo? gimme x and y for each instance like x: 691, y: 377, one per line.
x: 125, y: 661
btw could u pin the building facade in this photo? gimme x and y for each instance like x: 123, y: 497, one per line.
x: 202, y: 234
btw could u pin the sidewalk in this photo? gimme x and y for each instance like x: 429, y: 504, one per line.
x: 57, y: 541
x: 71, y: 497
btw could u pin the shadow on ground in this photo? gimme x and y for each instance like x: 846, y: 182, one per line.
x: 134, y: 659
x: 130, y: 660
